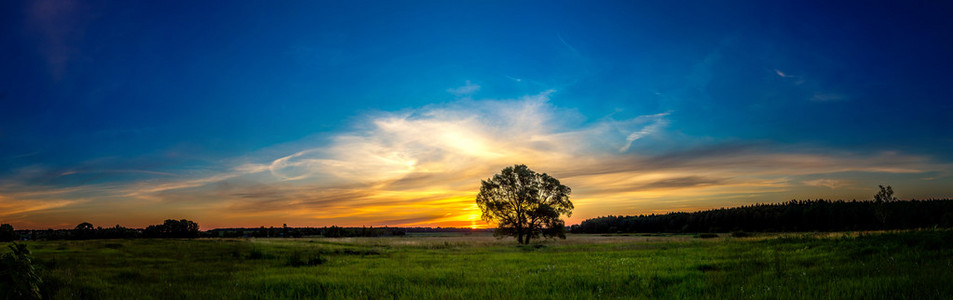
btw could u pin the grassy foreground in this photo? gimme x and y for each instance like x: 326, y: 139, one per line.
x: 912, y: 265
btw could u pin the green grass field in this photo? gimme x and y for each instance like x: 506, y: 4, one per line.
x: 905, y: 265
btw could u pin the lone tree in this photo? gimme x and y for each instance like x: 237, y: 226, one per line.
x: 524, y: 204
x: 882, y: 198
x: 885, y: 195
x: 84, y: 231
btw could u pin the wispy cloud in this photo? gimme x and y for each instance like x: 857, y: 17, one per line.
x: 821, y: 92
x: 782, y: 74
x: 466, y: 90
x: 827, y: 97
x: 59, y: 24
x: 829, y: 183
x: 654, y: 124
x: 10, y: 207
x: 422, y: 167
x: 570, y: 47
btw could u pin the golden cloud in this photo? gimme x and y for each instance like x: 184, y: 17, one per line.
x: 423, y: 167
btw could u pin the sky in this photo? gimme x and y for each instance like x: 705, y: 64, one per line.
x: 374, y: 113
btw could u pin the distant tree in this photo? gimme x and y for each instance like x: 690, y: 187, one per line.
x: 524, y: 204
x: 333, y: 231
x: 885, y: 195
x: 84, y: 230
x: 173, y: 228
x: 882, y: 198
x: 6, y: 233
x: 18, y: 277
x: 85, y: 226
x: 181, y: 228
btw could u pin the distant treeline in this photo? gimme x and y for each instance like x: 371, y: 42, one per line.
x: 86, y: 231
x: 285, y: 231
x: 188, y: 229
x: 332, y: 231
x: 794, y: 215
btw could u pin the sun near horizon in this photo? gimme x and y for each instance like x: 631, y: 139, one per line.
x: 389, y: 114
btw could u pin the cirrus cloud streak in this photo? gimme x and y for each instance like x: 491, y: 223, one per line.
x: 422, y: 167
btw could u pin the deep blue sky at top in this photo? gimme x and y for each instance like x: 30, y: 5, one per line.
x: 164, y: 85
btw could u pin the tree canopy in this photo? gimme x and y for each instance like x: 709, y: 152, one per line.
x: 525, y: 204
x: 885, y: 195
x: 7, y: 233
x: 791, y: 216
x: 173, y: 228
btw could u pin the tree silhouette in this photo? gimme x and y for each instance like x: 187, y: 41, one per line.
x: 85, y: 226
x: 882, y: 198
x: 173, y: 228
x: 524, y: 204
x: 84, y: 230
x: 885, y: 195
x: 7, y: 233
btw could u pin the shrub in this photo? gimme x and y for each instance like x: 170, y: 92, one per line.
x: 256, y: 254
x: 707, y: 268
x: 360, y: 252
x: 18, y: 276
x: 314, y: 261
x: 296, y: 261
x: 707, y: 235
x: 532, y: 247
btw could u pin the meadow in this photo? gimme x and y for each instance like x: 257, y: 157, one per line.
x: 873, y: 265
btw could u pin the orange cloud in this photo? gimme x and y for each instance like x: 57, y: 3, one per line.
x: 423, y: 168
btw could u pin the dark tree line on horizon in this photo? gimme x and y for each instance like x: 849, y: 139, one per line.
x: 330, y: 231
x: 791, y: 216
x: 296, y: 232
x: 188, y: 229
x: 86, y: 231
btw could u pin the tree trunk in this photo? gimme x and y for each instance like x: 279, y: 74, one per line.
x: 529, y: 231
x: 519, y: 237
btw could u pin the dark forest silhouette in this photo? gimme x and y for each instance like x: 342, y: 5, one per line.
x: 794, y: 215
x: 188, y: 229
x: 884, y: 212
x: 85, y: 231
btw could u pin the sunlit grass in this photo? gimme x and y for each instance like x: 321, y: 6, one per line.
x: 890, y: 265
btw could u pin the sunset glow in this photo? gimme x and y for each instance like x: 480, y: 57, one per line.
x: 393, y: 117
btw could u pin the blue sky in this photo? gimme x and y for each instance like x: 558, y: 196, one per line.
x: 245, y: 113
